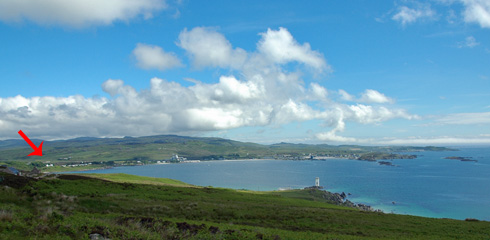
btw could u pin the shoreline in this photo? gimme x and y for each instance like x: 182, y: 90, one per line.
x: 157, y: 162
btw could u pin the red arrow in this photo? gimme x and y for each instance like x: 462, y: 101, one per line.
x: 37, y: 150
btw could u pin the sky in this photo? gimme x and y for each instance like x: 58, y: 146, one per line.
x: 359, y: 72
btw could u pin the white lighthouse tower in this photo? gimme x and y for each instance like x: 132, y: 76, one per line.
x: 317, y: 182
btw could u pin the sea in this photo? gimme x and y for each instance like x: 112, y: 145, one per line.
x: 429, y: 186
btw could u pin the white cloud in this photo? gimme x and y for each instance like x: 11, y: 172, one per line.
x: 360, y: 113
x: 228, y: 90
x: 465, y: 118
x: 368, y: 96
x: 470, y: 42
x: 208, y: 48
x: 407, y: 15
x: 477, y: 11
x: 318, y: 92
x: 368, y: 114
x: 280, y: 47
x: 373, y: 96
x: 77, y: 13
x: 443, y: 140
x: 338, y: 125
x: 112, y: 86
x: 153, y: 57
x: 483, y: 139
x: 346, y: 96
x: 292, y: 111
x: 331, y: 136
x: 213, y: 118
x: 262, y: 93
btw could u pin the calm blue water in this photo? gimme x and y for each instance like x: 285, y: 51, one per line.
x: 428, y: 186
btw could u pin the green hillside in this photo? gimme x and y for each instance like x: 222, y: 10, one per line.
x: 75, y: 206
x: 127, y: 178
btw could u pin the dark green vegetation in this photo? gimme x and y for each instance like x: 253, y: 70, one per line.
x: 107, y: 152
x: 75, y: 206
x: 384, y: 156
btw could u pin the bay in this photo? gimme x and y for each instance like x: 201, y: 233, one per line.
x: 428, y: 186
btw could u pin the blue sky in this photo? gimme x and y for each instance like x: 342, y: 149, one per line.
x: 358, y: 72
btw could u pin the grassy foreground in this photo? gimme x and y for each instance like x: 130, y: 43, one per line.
x: 128, y: 178
x: 122, y: 206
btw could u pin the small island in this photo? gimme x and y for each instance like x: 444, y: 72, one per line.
x: 386, y: 163
x: 462, y: 159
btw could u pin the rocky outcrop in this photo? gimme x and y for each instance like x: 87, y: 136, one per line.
x: 341, y: 200
x: 386, y: 163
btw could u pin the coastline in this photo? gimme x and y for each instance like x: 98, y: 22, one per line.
x: 369, y: 158
x: 339, y: 175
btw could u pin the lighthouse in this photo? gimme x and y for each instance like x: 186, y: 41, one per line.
x: 317, y: 182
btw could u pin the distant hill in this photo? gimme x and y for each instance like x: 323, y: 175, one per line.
x: 154, y: 148
x: 16, y: 143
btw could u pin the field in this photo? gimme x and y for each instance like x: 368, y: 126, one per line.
x: 123, y: 206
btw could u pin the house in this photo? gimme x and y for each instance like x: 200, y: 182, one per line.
x: 10, y: 170
x: 33, y: 173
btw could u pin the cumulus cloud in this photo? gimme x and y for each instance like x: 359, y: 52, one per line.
x: 477, y: 11
x: 473, y: 11
x: 331, y: 136
x: 280, y: 47
x: 345, y: 95
x: 406, y: 15
x: 261, y: 93
x: 77, y: 13
x: 112, y: 86
x: 153, y: 57
x: 368, y: 96
x: 359, y: 113
x: 208, y: 48
x: 318, y: 92
x: 373, y: 96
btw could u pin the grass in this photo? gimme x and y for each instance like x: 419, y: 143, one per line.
x: 129, y: 207
x: 127, y: 178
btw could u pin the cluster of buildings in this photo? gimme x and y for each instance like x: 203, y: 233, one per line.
x: 11, y: 170
x: 176, y: 158
x: 75, y: 164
